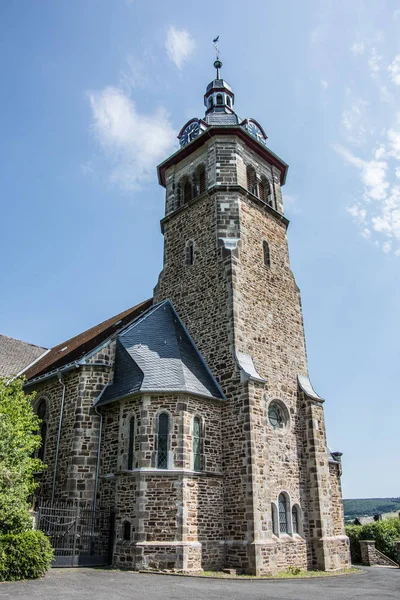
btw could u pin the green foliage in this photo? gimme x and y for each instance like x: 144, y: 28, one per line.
x: 385, y: 533
x: 18, y: 442
x: 367, y: 507
x: 24, y: 555
x: 294, y: 570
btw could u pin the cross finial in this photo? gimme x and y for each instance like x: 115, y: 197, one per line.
x: 217, y: 63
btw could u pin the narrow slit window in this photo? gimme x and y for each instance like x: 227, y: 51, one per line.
x: 295, y: 519
x: 266, y: 254
x: 283, y: 524
x: 162, y: 455
x: 189, y: 253
x: 131, y: 444
x: 196, y: 444
x: 127, y: 531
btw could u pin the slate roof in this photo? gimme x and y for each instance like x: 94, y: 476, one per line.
x: 15, y: 355
x: 77, y: 347
x: 157, y: 354
x: 221, y: 118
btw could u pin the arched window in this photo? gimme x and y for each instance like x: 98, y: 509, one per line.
x: 295, y: 519
x: 252, y: 181
x: 41, y: 412
x: 131, y: 444
x: 219, y: 99
x: 189, y: 253
x: 187, y: 190
x: 196, y: 444
x: 162, y: 437
x: 127, y: 531
x: 283, y: 522
x: 274, y: 514
x: 266, y: 254
x: 228, y: 101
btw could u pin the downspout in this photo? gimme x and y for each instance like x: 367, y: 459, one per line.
x: 60, y: 379
x: 96, y: 483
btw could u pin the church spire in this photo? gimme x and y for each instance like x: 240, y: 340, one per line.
x: 219, y: 98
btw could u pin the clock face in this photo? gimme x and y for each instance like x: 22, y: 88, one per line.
x: 191, y: 131
x: 256, y: 132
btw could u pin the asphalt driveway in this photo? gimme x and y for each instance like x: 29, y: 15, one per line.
x: 101, y: 584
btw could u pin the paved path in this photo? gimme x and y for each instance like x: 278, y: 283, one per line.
x: 99, y: 584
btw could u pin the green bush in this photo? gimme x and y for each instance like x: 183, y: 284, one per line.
x: 24, y: 555
x: 385, y: 533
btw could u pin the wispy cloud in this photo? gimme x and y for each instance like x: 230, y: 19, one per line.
x: 358, y: 48
x: 133, y: 141
x: 374, y: 62
x: 324, y: 84
x: 180, y: 46
x: 394, y: 70
x: 354, y: 121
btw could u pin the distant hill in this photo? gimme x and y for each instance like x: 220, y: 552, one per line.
x: 367, y: 507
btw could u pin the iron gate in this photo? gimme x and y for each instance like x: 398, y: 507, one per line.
x: 80, y: 535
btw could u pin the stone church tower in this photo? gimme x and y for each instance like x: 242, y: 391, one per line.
x: 227, y: 272
x: 191, y: 417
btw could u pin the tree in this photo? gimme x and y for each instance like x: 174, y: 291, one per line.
x: 19, y: 440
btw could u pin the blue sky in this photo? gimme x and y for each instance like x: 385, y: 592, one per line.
x: 93, y: 96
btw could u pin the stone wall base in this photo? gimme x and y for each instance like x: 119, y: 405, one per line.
x: 161, y: 556
x: 331, y: 553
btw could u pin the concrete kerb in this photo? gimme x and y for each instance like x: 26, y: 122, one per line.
x: 338, y: 574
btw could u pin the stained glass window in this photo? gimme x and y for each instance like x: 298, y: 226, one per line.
x: 131, y: 444
x: 196, y: 444
x: 162, y: 456
x: 283, y: 528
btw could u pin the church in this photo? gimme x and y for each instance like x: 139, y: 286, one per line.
x: 191, y: 416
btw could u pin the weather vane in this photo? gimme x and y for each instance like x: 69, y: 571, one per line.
x: 217, y: 63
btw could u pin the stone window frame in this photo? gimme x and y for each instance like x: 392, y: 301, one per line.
x: 260, y: 185
x: 201, y: 443
x: 44, y: 426
x: 300, y: 530
x: 126, y: 530
x: 266, y: 253
x: 123, y: 460
x: 170, y: 457
x: 288, y: 425
x: 290, y: 505
x: 199, y: 180
x: 190, y: 253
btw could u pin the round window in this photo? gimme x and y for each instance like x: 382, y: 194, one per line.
x: 277, y: 416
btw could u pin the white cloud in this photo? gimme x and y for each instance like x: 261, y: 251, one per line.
x: 353, y: 120
x: 394, y: 70
x: 394, y: 143
x: 374, y: 62
x: 324, y: 84
x: 134, y: 142
x: 358, y: 48
x: 179, y: 45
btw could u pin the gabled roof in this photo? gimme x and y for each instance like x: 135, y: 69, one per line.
x: 157, y: 354
x: 78, y: 346
x: 16, y: 355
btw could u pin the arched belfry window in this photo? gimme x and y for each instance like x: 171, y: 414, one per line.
x: 252, y: 181
x: 178, y: 195
x: 283, y: 521
x: 41, y: 412
x: 196, y: 444
x: 228, y: 101
x: 131, y: 444
x: 265, y: 190
x: 187, y: 190
x: 162, y: 441
x: 220, y: 99
x: 202, y: 179
x: 266, y: 254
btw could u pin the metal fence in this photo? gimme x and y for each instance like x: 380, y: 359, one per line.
x: 80, y: 535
